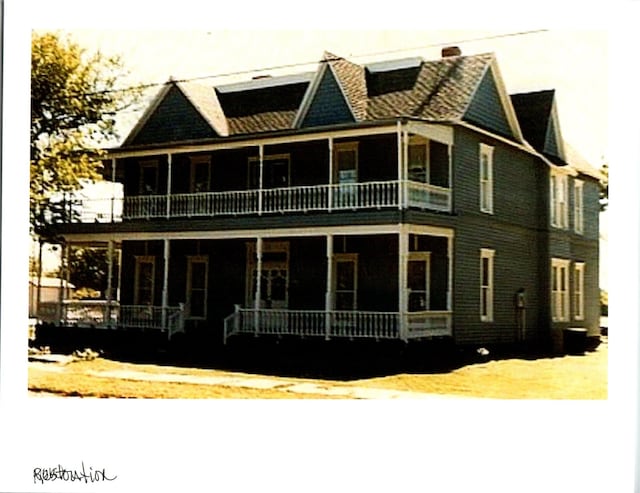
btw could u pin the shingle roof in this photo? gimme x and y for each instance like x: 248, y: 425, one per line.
x: 352, y: 79
x: 206, y: 102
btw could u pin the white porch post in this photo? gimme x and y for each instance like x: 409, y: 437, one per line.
x: 256, y: 298
x: 328, y: 303
x: 165, y: 284
x: 403, y: 254
x: 169, y: 185
x: 330, y: 198
x: 400, y: 156
x: 107, y: 312
x: 260, y: 177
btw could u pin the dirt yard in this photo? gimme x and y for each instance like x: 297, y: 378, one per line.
x: 563, y: 377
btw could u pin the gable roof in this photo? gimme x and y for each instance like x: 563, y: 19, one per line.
x: 538, y: 117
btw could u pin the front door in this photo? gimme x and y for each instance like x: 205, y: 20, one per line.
x: 274, y: 275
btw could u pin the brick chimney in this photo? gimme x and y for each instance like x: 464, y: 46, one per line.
x: 448, y: 51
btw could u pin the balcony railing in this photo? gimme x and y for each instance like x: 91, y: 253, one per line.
x: 335, y: 197
x: 106, y: 315
x: 334, y: 323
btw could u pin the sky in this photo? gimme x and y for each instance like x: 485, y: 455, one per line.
x: 583, y: 56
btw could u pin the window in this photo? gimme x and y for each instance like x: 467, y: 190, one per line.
x: 559, y: 290
x: 200, y: 174
x: 148, y: 184
x: 345, y: 281
x: 418, y: 273
x: 274, y: 275
x: 486, y: 178
x: 486, y: 284
x: 144, y: 280
x: 417, y: 166
x: 275, y: 172
x: 346, y: 174
x: 578, y: 291
x: 558, y: 200
x: 196, y: 295
x: 578, y: 214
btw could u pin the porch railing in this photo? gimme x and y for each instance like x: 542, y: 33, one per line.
x: 334, y: 323
x: 104, y: 314
x: 351, y: 196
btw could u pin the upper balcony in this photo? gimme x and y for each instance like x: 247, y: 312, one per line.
x: 362, y: 172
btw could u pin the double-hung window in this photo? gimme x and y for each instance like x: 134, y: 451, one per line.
x: 486, y: 178
x: 559, y: 290
x: 559, y: 200
x: 578, y: 212
x: 578, y: 291
x: 345, y: 280
x: 200, y: 174
x: 144, y: 277
x: 486, y: 284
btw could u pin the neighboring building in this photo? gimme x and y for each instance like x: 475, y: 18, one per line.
x: 397, y: 200
x: 52, y: 290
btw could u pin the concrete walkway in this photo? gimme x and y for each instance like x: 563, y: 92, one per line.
x: 282, y: 385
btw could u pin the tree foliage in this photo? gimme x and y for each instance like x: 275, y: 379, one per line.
x: 604, y: 187
x: 74, y: 102
x: 89, y: 267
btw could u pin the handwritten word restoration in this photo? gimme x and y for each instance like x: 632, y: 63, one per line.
x: 59, y: 473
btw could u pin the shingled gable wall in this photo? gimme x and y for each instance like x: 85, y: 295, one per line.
x: 486, y: 109
x: 329, y: 105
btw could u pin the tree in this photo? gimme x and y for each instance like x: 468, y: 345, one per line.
x: 74, y: 102
x: 89, y: 267
x: 604, y: 187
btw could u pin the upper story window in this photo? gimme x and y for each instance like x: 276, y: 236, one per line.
x: 346, y: 162
x: 200, y: 174
x: 275, y: 171
x: 559, y: 197
x: 149, y: 177
x: 578, y: 208
x: 486, y: 284
x: 559, y: 290
x: 486, y: 178
x: 418, y: 160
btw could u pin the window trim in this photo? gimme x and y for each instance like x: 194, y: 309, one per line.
x: 560, y: 301
x: 487, y: 253
x: 486, y: 186
x: 196, y: 161
x: 578, y: 206
x: 140, y: 259
x: 345, y: 257
x: 191, y: 259
x: 578, y: 290
x: 149, y: 163
x: 267, y: 157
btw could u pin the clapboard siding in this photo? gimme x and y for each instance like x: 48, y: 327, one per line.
x: 329, y: 105
x: 175, y: 119
x: 486, y: 109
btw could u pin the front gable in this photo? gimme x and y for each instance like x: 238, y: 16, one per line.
x: 487, y: 109
x: 171, y: 118
x: 327, y: 104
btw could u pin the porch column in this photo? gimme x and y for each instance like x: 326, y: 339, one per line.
x: 403, y: 254
x: 113, y: 187
x: 168, y: 185
x: 256, y: 298
x: 400, y: 155
x: 107, y: 313
x: 328, y: 300
x: 330, y: 197
x: 260, y: 177
x: 165, y: 284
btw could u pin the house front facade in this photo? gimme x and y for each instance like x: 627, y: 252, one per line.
x: 401, y: 200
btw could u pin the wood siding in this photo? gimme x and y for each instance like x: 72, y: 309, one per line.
x: 486, y: 109
x: 329, y: 105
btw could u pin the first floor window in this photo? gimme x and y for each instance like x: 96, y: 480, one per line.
x: 418, y: 281
x: 196, y: 295
x: 486, y: 284
x: 559, y: 290
x: 144, y: 281
x: 345, y: 281
x: 578, y: 291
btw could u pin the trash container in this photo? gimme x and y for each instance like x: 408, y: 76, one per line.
x: 575, y: 340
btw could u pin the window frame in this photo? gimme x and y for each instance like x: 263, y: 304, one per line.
x: 426, y: 258
x: 344, y: 258
x: 578, y: 206
x: 149, y: 163
x: 489, y: 289
x: 560, y: 301
x: 486, y: 184
x: 255, y: 161
x: 338, y: 148
x: 419, y: 141
x: 192, y: 259
x: 578, y: 290
x: 139, y: 260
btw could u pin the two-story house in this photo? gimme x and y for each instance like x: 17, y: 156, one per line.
x: 405, y: 199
